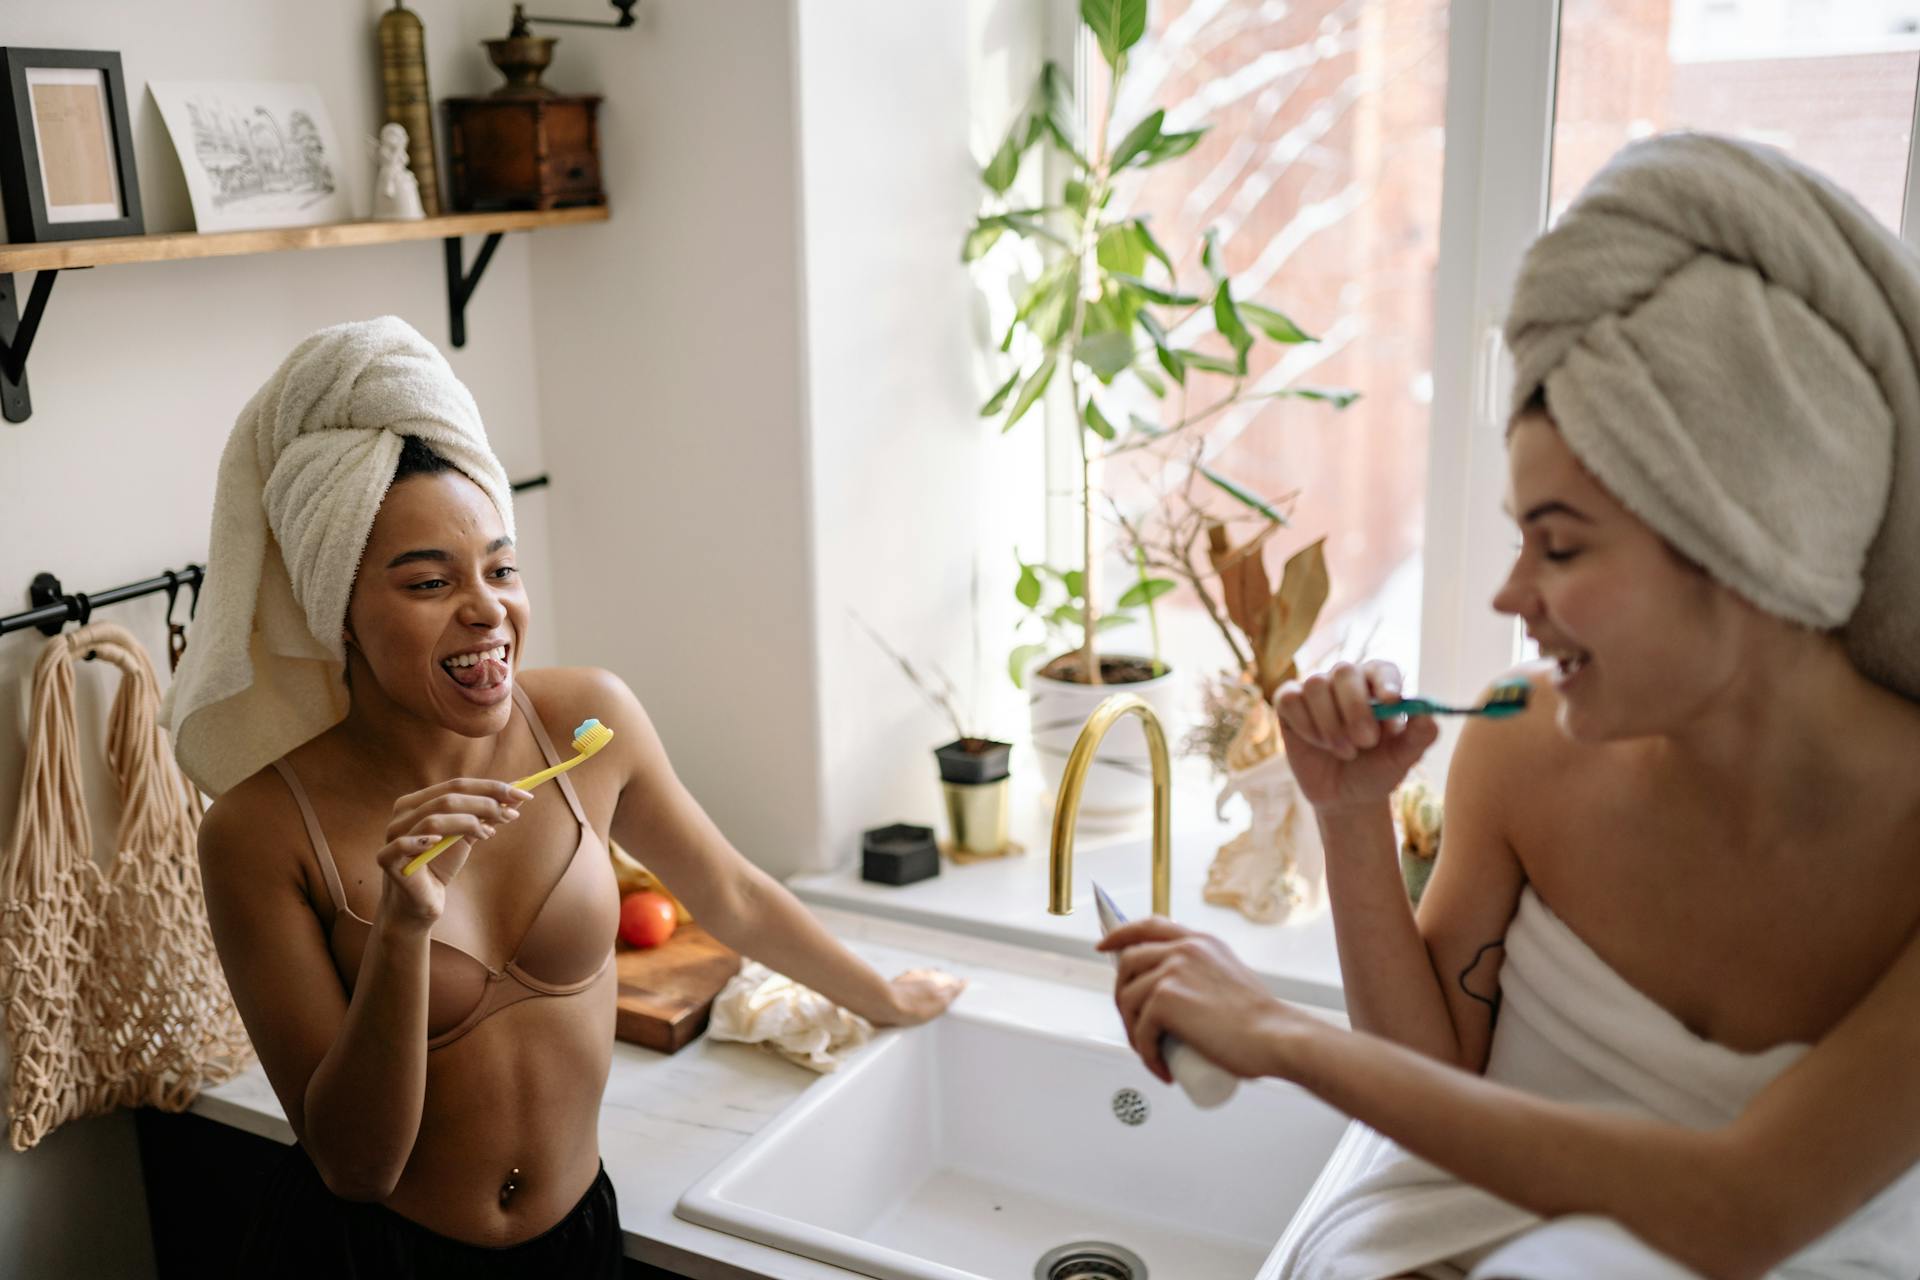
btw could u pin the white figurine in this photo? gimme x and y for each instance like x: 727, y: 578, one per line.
x: 1274, y: 871
x: 396, y: 192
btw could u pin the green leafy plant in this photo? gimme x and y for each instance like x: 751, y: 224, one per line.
x: 1106, y: 307
x: 1056, y: 600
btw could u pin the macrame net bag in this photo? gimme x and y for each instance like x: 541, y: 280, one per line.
x: 113, y: 994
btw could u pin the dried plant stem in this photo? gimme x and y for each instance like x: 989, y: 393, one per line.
x: 1224, y: 403
x: 1180, y: 564
x: 945, y: 697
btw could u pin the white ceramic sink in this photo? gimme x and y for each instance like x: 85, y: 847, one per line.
x: 970, y: 1148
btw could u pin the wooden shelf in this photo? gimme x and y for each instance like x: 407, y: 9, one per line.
x: 61, y: 255
x: 19, y: 324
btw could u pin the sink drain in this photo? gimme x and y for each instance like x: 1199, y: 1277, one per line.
x: 1090, y: 1260
x: 1130, y: 1107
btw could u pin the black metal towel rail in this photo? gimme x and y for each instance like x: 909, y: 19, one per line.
x: 54, y: 607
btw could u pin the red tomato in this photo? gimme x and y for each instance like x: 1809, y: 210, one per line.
x: 646, y: 919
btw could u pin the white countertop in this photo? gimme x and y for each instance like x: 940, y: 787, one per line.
x: 667, y: 1120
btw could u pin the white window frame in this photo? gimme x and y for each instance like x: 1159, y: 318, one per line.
x: 1910, y: 206
x: 1502, y: 58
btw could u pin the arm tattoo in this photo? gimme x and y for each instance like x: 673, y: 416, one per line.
x: 1492, y: 1002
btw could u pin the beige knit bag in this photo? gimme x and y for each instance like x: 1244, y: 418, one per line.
x: 114, y: 996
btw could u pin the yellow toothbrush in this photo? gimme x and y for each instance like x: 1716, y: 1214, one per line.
x: 587, y: 739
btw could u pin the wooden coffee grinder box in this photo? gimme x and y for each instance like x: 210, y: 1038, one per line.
x: 524, y: 153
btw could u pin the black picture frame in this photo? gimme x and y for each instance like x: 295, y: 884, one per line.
x: 21, y: 186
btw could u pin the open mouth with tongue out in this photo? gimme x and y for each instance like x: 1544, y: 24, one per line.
x: 481, y: 676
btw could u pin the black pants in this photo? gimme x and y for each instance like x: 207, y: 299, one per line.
x: 303, y: 1229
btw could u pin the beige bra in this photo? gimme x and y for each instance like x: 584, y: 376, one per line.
x: 564, y: 951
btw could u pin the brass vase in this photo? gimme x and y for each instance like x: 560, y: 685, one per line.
x: 973, y: 780
x: 403, y: 80
x: 977, y: 820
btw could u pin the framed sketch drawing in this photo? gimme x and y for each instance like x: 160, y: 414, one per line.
x: 260, y: 154
x: 66, y: 147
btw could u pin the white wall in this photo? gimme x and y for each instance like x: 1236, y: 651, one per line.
x: 136, y: 377
x: 671, y: 391
x: 915, y: 500
x: 765, y: 396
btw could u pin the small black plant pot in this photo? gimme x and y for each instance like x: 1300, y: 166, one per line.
x: 973, y: 760
x: 898, y: 854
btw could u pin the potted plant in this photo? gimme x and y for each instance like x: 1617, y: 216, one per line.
x: 1061, y: 697
x: 1102, y: 315
x: 973, y: 769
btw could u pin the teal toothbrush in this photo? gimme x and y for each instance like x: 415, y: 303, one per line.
x: 1507, y: 698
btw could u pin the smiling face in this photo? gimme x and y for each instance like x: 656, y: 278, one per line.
x: 1642, y: 638
x: 438, y: 611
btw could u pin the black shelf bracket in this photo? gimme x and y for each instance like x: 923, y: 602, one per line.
x: 16, y: 339
x: 624, y: 20
x: 461, y: 283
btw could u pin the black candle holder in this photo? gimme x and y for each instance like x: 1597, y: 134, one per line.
x: 899, y: 854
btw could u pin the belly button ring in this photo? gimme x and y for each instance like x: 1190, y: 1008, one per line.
x: 511, y: 1185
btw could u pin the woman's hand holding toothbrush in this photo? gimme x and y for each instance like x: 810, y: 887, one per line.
x: 1341, y: 755
x: 472, y: 808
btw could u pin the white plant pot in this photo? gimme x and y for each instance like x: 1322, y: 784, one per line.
x: 1119, y: 785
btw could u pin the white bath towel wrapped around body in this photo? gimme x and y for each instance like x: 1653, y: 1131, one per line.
x: 1571, y: 1029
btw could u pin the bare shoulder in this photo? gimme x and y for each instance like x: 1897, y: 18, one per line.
x: 252, y: 837
x: 1517, y: 770
x: 1887, y: 746
x: 567, y: 697
x: 1523, y: 748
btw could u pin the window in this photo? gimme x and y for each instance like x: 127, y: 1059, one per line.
x: 1327, y: 177
x: 1321, y: 177
x: 1833, y: 88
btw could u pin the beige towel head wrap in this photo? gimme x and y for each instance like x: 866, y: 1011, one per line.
x: 1727, y: 341
x: 300, y: 482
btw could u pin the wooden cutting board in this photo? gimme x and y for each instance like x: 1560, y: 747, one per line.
x: 666, y: 992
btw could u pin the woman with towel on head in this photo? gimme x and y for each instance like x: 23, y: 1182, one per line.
x: 1659, y: 1011
x: 353, y: 693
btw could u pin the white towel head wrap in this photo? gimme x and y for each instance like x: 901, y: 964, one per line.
x: 301, y: 480
x: 1728, y: 341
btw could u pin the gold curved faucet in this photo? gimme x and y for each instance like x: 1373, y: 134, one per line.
x: 1066, y: 809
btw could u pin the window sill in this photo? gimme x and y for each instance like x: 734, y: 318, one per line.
x: 1004, y: 900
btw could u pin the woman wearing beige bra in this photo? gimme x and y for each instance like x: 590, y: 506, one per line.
x: 440, y: 1042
